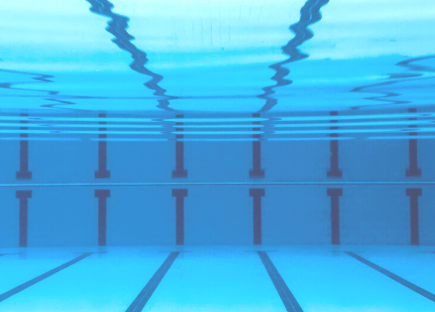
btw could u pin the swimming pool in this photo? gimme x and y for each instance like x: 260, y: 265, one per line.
x: 260, y: 149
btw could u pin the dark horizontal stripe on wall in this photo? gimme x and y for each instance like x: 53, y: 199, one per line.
x: 141, y: 300
x: 393, y: 276
x: 42, y: 277
x: 284, y: 292
x: 211, y: 183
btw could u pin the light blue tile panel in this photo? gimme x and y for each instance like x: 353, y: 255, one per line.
x: 61, y: 217
x: 140, y: 216
x: 63, y: 161
x: 140, y: 161
x: 9, y: 218
x: 426, y: 212
x: 19, y: 268
x: 415, y: 266
x: 10, y: 160
x: 373, y: 160
x: 426, y: 156
x: 375, y: 215
x: 295, y: 160
x: 216, y: 279
x: 218, y: 161
x: 296, y: 215
x: 102, y: 282
x: 218, y: 215
x: 330, y: 282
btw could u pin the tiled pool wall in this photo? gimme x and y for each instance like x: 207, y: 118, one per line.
x: 371, y: 197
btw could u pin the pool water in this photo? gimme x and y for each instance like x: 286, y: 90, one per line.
x: 217, y: 156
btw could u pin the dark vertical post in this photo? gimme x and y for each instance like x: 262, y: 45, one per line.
x: 23, y: 196
x: 179, y: 195
x: 335, y: 193
x: 102, y: 172
x: 179, y: 171
x: 413, y: 170
x: 24, y: 172
x: 102, y: 215
x: 256, y: 195
x: 256, y: 171
x: 334, y: 171
x: 413, y: 194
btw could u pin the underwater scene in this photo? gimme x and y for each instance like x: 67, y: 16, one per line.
x: 242, y: 155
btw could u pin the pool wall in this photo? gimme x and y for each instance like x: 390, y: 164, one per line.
x: 302, y: 203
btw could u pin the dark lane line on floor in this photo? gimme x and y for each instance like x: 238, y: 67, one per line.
x: 141, y: 300
x: 284, y: 292
x: 393, y: 276
x: 40, y: 278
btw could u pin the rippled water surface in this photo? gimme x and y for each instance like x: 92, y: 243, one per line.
x: 232, y: 70
x: 133, y: 130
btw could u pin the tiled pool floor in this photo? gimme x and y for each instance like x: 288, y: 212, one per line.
x: 204, y: 278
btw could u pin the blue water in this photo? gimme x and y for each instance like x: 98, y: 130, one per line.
x: 217, y: 156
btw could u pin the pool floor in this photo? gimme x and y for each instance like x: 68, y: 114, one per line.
x: 219, y: 278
